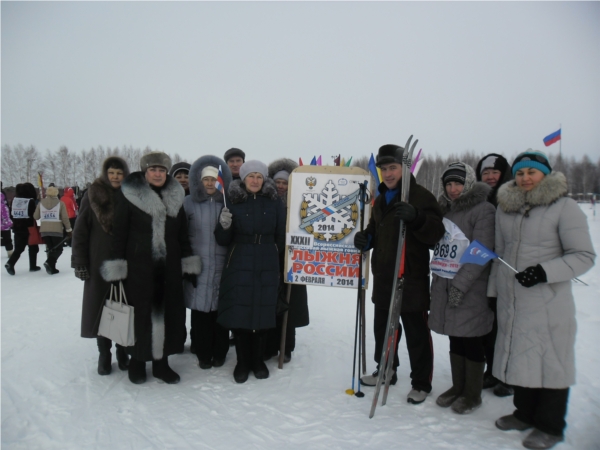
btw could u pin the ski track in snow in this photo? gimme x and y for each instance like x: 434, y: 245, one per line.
x: 53, y: 398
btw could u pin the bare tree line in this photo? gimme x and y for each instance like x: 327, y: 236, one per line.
x: 63, y: 167
x: 583, y: 175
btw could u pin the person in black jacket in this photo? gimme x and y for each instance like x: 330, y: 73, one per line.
x: 253, y: 228
x: 23, y: 207
x: 151, y: 254
x: 424, y: 228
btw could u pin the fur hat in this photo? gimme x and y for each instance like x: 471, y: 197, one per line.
x: 155, y: 159
x: 234, y: 152
x: 209, y: 171
x: 492, y: 161
x: 52, y: 191
x: 533, y: 159
x: 281, y: 168
x: 389, y: 153
x: 253, y: 166
x: 178, y: 167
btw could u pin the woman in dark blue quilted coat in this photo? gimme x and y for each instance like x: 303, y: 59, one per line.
x: 253, y: 229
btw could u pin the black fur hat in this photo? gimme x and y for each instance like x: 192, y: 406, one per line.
x: 234, y: 152
x: 389, y: 153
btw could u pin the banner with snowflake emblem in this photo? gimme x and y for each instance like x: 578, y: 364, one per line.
x: 323, y: 217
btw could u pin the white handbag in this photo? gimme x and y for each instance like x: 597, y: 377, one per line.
x: 116, y: 322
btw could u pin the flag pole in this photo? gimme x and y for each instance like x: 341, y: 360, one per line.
x: 508, y: 265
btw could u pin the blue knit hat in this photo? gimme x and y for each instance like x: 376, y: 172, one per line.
x: 534, y: 159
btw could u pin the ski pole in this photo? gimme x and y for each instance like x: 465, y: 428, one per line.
x: 360, y: 293
x: 57, y: 245
x: 288, y: 294
x: 351, y: 391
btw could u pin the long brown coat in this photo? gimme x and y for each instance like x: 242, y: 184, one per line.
x: 91, y: 246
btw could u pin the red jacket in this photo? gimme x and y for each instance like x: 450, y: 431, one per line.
x: 69, y: 200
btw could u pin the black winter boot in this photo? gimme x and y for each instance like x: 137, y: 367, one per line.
x: 9, y: 268
x: 50, y: 267
x: 162, y: 371
x: 503, y: 390
x: 243, y: 350
x: 457, y: 366
x: 470, y: 399
x: 137, y: 371
x: 105, y: 358
x: 258, y: 349
x: 33, y: 267
x: 122, y: 357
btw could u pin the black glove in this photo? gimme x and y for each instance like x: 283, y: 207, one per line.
x: 191, y: 278
x: 531, y: 276
x: 361, y: 239
x: 406, y: 212
x: 455, y: 297
x: 82, y: 273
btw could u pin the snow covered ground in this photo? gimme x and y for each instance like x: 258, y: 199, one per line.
x: 53, y: 398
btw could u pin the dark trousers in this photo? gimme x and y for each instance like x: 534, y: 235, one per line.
x: 21, y: 239
x: 468, y: 347
x: 489, y: 340
x: 545, y: 409
x: 7, y: 240
x: 210, y: 339
x: 52, y: 242
x: 418, y: 344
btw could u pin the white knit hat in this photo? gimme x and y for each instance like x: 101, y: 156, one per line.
x: 209, y: 171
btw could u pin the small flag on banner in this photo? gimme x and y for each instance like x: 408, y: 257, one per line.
x: 314, y: 161
x: 552, y: 138
x: 336, y: 160
x: 477, y: 253
x: 343, y: 162
x: 300, y: 163
x: 348, y: 163
x: 319, y: 161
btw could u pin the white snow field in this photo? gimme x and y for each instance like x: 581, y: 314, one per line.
x: 53, y: 397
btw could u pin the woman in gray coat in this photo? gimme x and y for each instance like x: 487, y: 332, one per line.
x: 459, y: 306
x: 92, y: 238
x: 202, y: 209
x: 545, y: 236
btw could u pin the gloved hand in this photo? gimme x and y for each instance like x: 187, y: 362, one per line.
x: 532, y: 276
x: 455, y: 297
x: 361, y: 238
x: 405, y: 211
x: 191, y: 278
x: 70, y: 234
x: 225, y: 218
x: 82, y: 273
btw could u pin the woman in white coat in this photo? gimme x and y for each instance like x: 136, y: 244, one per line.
x: 545, y: 236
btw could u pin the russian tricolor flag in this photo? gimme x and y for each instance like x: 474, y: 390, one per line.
x: 220, y: 184
x: 552, y: 138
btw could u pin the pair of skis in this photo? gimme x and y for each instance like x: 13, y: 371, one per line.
x: 386, y: 364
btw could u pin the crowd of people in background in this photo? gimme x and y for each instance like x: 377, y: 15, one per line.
x: 210, y: 237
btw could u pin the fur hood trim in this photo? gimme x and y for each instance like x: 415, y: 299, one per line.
x: 113, y: 161
x: 136, y: 190
x: 281, y: 164
x: 101, y: 196
x: 52, y: 191
x: 477, y: 194
x: 552, y: 187
x: 238, y: 193
x: 197, y: 190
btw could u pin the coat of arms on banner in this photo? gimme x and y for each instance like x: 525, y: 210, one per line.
x: 327, y: 215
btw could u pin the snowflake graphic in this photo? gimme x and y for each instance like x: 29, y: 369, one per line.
x: 334, y: 222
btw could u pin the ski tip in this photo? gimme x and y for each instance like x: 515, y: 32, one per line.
x: 360, y: 394
x: 350, y: 391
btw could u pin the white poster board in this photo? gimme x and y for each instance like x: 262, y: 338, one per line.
x: 323, y: 217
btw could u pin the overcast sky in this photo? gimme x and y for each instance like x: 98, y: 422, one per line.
x: 301, y: 79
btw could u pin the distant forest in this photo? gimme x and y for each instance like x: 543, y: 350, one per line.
x: 64, y: 167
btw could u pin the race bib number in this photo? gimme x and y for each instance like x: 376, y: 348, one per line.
x: 447, y: 252
x: 20, y: 208
x: 50, y: 215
